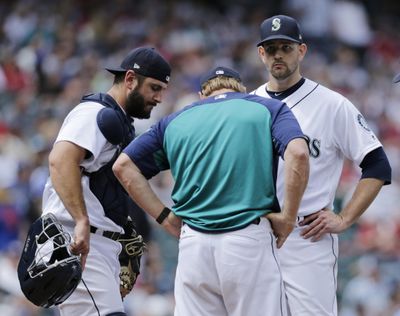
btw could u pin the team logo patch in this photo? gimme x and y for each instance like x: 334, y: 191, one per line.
x: 219, y: 72
x: 276, y: 24
x: 361, y: 120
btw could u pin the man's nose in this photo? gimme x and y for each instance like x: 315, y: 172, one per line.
x: 158, y: 97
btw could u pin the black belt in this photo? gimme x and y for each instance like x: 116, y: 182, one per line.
x: 108, y: 234
x: 302, y: 218
x: 255, y: 222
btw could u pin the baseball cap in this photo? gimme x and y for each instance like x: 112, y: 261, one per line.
x: 280, y: 27
x: 219, y: 71
x: 396, y: 78
x: 145, y: 61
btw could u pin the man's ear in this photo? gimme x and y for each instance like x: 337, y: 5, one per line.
x: 302, y: 50
x: 201, y: 95
x: 131, y: 80
x: 261, y: 52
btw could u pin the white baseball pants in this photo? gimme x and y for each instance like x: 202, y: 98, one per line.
x: 309, y: 272
x: 98, y: 292
x: 234, y: 273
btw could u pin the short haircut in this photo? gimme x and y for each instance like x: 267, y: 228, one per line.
x: 221, y: 82
x: 120, y: 77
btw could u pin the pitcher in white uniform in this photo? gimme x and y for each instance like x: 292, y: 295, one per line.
x: 335, y: 130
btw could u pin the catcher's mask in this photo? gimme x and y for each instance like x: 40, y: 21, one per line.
x: 48, y: 273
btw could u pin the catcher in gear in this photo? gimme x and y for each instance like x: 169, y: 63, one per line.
x: 133, y: 247
x: 82, y: 191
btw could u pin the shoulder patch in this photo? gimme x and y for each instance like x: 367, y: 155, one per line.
x: 361, y: 120
x: 110, y: 125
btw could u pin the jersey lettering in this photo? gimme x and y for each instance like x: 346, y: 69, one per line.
x: 314, y: 146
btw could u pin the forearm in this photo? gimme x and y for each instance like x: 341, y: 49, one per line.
x: 296, y: 176
x: 364, y: 194
x: 137, y: 186
x: 66, y: 175
x: 66, y: 179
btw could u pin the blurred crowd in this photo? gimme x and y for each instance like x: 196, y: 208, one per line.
x: 53, y: 52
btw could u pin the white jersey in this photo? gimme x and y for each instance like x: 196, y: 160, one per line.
x: 335, y: 129
x: 80, y: 127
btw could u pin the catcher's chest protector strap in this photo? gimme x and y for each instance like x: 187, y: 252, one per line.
x: 117, y: 128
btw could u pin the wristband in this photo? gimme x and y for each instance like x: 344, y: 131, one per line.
x: 163, y: 215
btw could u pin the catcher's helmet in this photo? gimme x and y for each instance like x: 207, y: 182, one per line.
x: 48, y: 273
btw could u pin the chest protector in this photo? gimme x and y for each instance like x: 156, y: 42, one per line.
x: 117, y: 128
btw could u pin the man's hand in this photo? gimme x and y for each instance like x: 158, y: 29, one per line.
x: 282, y: 226
x: 81, y: 243
x: 173, y: 224
x: 65, y: 173
x: 322, y: 222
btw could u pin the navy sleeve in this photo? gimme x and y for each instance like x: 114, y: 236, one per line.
x: 376, y: 165
x: 147, y: 152
x: 284, y: 126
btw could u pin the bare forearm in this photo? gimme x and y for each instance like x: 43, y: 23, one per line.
x: 296, y: 176
x: 295, y: 186
x: 65, y: 175
x: 137, y: 186
x: 139, y: 189
x: 67, y: 183
x: 364, y: 194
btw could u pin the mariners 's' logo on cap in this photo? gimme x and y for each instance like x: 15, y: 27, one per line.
x: 276, y: 24
x: 219, y: 72
x: 136, y: 66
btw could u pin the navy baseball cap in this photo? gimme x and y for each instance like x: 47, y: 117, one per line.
x: 145, y: 61
x: 280, y: 27
x: 396, y: 78
x: 219, y: 71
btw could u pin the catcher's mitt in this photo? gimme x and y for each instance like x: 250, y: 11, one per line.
x: 129, y: 258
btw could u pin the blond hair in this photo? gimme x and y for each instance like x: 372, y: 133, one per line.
x: 221, y: 82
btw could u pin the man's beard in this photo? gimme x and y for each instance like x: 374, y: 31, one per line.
x: 136, y: 106
x: 282, y: 75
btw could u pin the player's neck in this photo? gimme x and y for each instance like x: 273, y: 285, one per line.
x: 277, y: 85
x: 116, y: 94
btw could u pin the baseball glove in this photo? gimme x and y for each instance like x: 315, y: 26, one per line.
x: 133, y: 247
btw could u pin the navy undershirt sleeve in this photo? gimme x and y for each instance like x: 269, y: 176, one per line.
x: 376, y: 165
